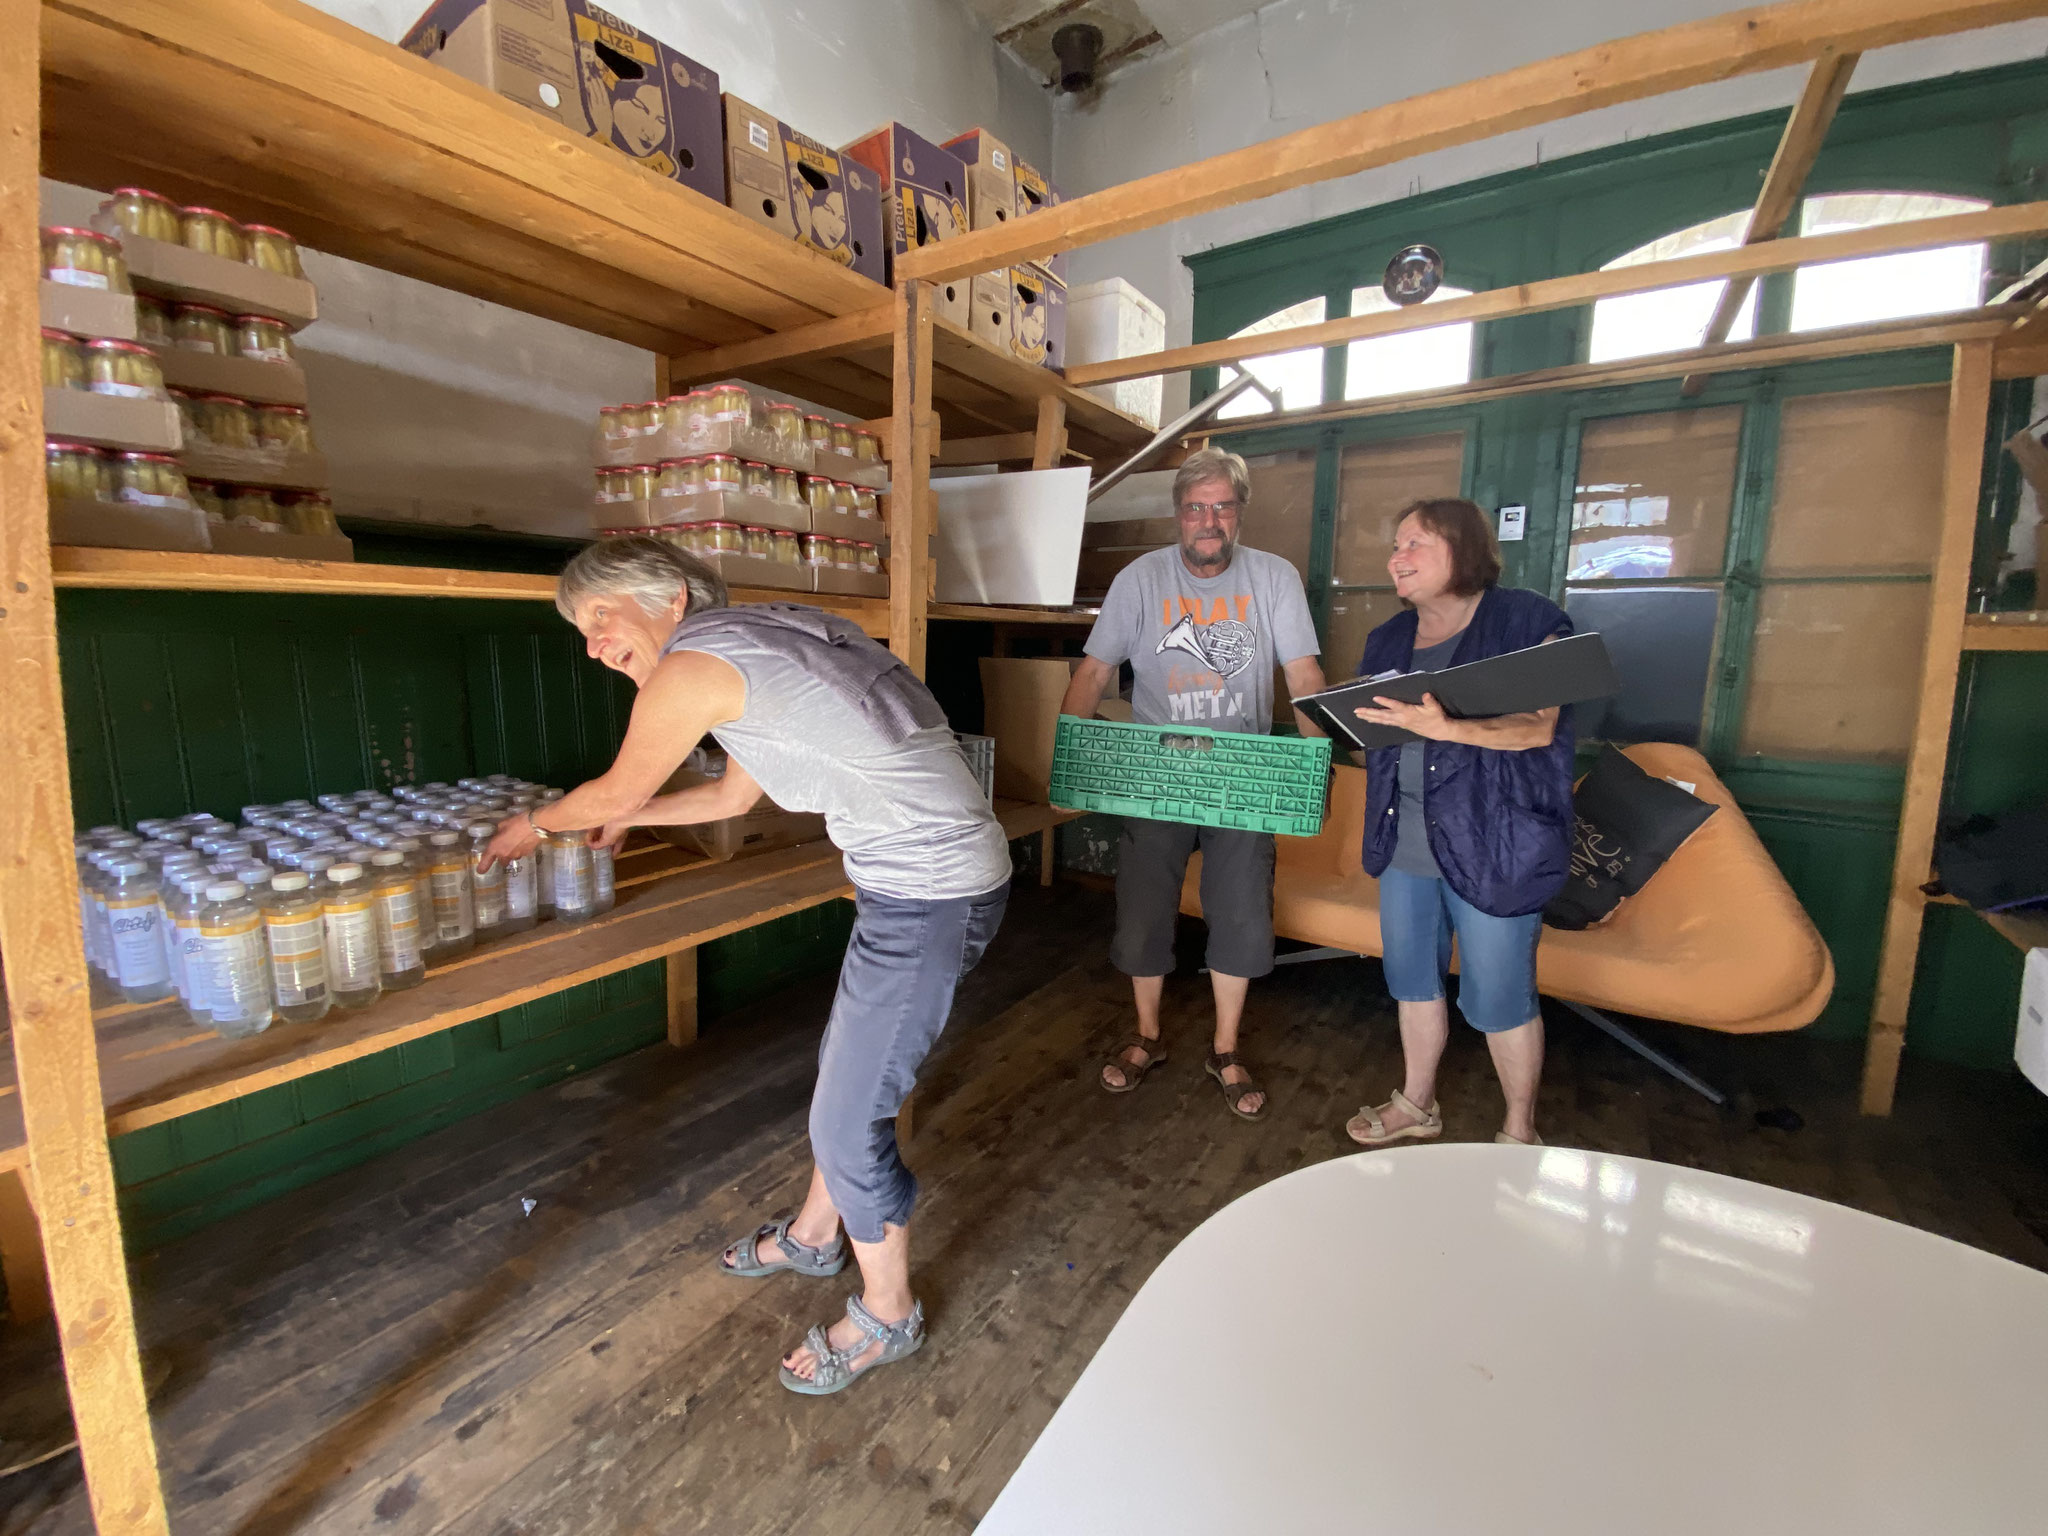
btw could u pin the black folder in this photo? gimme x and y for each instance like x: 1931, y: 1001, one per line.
x: 1567, y: 671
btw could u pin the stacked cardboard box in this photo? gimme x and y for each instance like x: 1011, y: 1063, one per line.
x: 1020, y: 310
x: 924, y: 190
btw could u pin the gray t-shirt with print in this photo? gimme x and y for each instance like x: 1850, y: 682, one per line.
x: 1202, y: 649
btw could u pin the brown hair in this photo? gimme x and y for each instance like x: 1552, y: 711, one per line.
x: 1475, y: 557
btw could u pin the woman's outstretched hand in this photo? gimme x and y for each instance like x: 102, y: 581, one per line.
x: 1426, y: 719
x: 515, y: 839
x: 610, y: 835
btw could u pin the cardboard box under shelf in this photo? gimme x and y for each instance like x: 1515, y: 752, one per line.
x: 746, y: 571
x: 592, y: 73
x: 849, y: 583
x: 87, y: 311
x: 271, y: 471
x: 112, y: 421
x: 763, y: 829
x: 157, y: 266
x: 1021, y: 708
x: 123, y: 525
x: 246, y: 378
x: 230, y: 540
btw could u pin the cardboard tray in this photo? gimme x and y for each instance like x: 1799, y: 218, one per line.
x: 230, y: 540
x: 246, y: 378
x: 844, y: 466
x: 849, y: 583
x: 744, y: 442
x: 112, y: 421
x: 120, y: 525
x: 746, y: 571
x: 271, y: 471
x: 157, y: 266
x: 87, y: 311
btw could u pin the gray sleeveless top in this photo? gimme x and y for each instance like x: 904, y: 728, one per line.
x: 908, y: 815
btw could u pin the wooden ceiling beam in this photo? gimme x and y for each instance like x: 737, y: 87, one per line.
x: 1627, y: 69
x: 1584, y: 287
x: 1805, y: 131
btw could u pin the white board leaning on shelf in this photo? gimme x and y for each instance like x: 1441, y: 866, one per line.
x: 1010, y: 538
x: 2030, y: 1048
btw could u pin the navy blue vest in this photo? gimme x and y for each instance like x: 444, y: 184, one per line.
x: 1500, y: 823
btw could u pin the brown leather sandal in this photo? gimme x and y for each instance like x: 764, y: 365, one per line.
x: 1134, y: 1072
x: 1234, y: 1094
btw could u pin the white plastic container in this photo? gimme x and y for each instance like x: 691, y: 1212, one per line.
x: 235, y: 966
x: 453, y: 894
x: 297, y: 941
x: 352, y: 955
x: 394, y: 891
x: 141, y: 972
x: 1111, y: 320
x: 486, y: 885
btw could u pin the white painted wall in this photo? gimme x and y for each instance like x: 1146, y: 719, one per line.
x: 438, y: 407
x: 1303, y: 62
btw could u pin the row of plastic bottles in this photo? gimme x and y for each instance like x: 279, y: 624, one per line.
x: 305, y: 907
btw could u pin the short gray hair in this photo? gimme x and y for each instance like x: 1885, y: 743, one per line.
x: 1214, y: 464
x: 649, y: 570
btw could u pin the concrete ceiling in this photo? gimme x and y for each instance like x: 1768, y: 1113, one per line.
x: 1129, y: 27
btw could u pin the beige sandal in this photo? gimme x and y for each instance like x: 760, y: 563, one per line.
x: 1503, y: 1139
x: 1369, y: 1126
x: 1134, y: 1072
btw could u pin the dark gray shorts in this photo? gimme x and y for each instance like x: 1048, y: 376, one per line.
x: 1237, y: 896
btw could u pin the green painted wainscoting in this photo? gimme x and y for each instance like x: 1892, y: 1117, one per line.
x: 187, y: 701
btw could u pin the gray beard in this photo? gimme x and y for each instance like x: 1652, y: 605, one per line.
x: 1215, y: 567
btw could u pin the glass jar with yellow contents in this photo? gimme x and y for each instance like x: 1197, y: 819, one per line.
x: 284, y: 428
x: 641, y: 482
x: 867, y: 447
x: 730, y: 402
x: 869, y: 558
x: 681, y: 477
x: 211, y: 231
x: 842, y: 438
x: 721, y: 472
x: 866, y: 503
x: 263, y: 339
x: 271, y: 249
x: 206, y: 496
x: 249, y: 506
x: 723, y: 538
x: 153, y: 321
x: 63, y: 361
x: 818, y: 433
x: 84, y: 258
x: 203, y: 328
x: 818, y: 492
x: 123, y: 368
x: 150, y: 480
x: 228, y: 422
x: 139, y: 211
x: 786, y: 424
x: 788, y: 548
x: 308, y: 512
x: 789, y: 488
x: 71, y: 471
x: 757, y: 479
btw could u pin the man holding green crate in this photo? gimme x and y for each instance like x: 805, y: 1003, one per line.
x: 1203, y: 625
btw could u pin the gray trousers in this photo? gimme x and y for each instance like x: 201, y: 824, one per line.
x: 1237, y: 896
x: 895, y: 993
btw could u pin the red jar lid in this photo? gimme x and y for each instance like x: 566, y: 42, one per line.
x: 697, y: 394
x: 676, y: 463
x: 109, y: 344
x: 208, y: 213
x: 155, y: 197
x: 199, y: 309
x: 672, y: 399
x: 50, y: 334
x: 642, y: 469
x: 73, y: 229
x: 260, y: 229
x: 65, y: 445
x: 720, y: 458
x: 151, y: 458
x: 289, y: 410
x: 827, y: 420
x: 260, y: 320
x: 736, y: 527
x: 607, y: 410
x: 862, y: 544
x: 223, y: 400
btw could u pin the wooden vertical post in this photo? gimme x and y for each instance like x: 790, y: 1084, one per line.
x: 681, y: 968
x: 1969, y: 406
x: 1050, y: 440
x: 21, y: 1250
x: 910, y: 476
x: 55, y: 1060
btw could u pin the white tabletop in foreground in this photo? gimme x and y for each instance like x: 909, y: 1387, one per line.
x: 1476, y: 1339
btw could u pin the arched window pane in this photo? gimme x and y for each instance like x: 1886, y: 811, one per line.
x: 1884, y: 287
x: 1670, y: 319
x: 1298, y: 376
x: 1392, y: 365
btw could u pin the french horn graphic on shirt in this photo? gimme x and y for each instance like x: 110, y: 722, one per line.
x: 1226, y: 647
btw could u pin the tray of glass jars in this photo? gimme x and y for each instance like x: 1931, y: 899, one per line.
x: 204, y: 350
x: 720, y: 488
x: 129, y: 525
x: 106, y: 392
x: 85, y: 288
x: 736, y: 420
x: 203, y: 255
x: 777, y: 557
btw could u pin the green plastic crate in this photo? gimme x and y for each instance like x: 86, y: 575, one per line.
x: 1183, y: 773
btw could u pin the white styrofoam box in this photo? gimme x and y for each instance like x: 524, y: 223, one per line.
x: 1010, y: 538
x: 2030, y: 1050
x: 1111, y: 320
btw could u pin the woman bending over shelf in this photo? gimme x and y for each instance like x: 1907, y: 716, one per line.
x: 822, y: 719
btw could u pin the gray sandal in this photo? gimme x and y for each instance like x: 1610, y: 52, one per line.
x: 802, y: 1259
x: 1154, y: 1053
x: 836, y: 1370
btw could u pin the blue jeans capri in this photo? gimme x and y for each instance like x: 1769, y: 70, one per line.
x: 895, y: 993
x: 1496, y: 955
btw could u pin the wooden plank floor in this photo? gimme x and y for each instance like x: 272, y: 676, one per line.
x: 408, y: 1348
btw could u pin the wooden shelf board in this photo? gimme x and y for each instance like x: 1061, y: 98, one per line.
x: 163, y: 571
x: 1000, y: 614
x: 279, y: 114
x: 156, y: 1065
x: 2006, y: 632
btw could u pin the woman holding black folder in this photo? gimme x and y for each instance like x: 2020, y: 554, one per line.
x: 1469, y: 829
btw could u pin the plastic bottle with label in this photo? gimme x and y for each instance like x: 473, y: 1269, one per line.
x: 352, y: 953
x: 453, y: 894
x: 188, y: 964
x: 575, y: 878
x: 544, y: 878
x: 522, y: 893
x: 141, y: 972
x: 82, y: 851
x: 234, y: 961
x: 292, y: 923
x: 604, y: 877
x: 488, y: 885
x: 394, y: 895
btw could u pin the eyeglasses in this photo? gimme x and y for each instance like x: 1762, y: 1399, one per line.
x: 1192, y: 511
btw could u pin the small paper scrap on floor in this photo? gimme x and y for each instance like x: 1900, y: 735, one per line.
x: 527, y: 1205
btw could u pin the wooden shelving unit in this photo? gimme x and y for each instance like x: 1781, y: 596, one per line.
x: 283, y: 115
